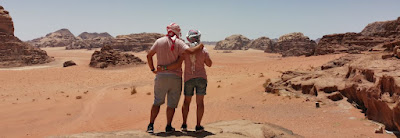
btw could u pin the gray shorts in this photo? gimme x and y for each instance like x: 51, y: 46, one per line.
x: 200, y: 84
x: 169, y: 85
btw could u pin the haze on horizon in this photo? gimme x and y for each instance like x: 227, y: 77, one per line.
x: 215, y: 19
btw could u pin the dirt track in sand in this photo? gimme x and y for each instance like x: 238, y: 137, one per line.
x: 41, y: 100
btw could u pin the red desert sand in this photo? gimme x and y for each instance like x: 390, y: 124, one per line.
x: 42, y: 100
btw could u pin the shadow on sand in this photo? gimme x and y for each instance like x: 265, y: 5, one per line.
x: 185, y: 133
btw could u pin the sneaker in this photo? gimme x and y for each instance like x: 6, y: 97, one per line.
x: 150, y: 128
x: 184, y: 127
x: 169, y: 129
x: 199, y: 128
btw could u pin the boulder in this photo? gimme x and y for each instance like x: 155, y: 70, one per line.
x: 14, y: 52
x: 294, y: 44
x: 69, y: 63
x: 135, y: 42
x: 262, y: 43
x: 233, y: 42
x: 109, y: 57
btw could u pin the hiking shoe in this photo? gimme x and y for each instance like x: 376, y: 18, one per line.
x: 169, y: 129
x: 150, y: 128
x: 199, y: 128
x: 184, y: 127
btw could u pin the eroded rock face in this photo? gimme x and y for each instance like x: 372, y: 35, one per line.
x: 224, y: 129
x: 91, y: 40
x: 135, y: 42
x: 6, y: 23
x: 233, y: 42
x: 109, y: 57
x: 366, y: 80
x: 60, y: 38
x: 390, y: 29
x: 262, y: 43
x: 14, y: 52
x: 352, y: 43
x: 294, y: 44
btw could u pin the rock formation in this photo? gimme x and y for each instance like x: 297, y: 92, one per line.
x: 14, y: 52
x: 261, y: 43
x: 135, y: 42
x: 233, y: 42
x: 373, y: 34
x: 366, y: 80
x: 91, y: 40
x: 60, y: 38
x: 6, y: 23
x: 293, y: 44
x: 390, y: 29
x: 109, y: 57
x: 225, y: 129
x: 352, y: 43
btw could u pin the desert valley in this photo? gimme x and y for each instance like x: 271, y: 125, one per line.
x: 97, y: 85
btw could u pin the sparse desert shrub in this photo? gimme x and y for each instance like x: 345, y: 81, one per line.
x: 78, y: 97
x: 227, y: 51
x: 219, y: 86
x: 267, y: 83
x: 133, y: 90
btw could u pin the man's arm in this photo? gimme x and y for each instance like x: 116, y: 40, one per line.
x: 194, y: 49
x: 175, y: 65
x: 150, y: 60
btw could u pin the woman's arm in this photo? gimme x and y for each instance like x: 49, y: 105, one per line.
x: 208, y: 61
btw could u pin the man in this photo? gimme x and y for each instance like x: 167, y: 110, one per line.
x: 195, y: 78
x: 167, y: 82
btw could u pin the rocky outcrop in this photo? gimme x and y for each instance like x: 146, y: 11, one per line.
x: 261, y: 43
x: 14, y: 52
x: 352, y: 43
x: 135, y: 42
x: 293, y: 44
x: 224, y: 129
x: 60, y: 38
x: 91, y: 40
x: 366, y: 80
x: 89, y: 36
x: 6, y: 23
x: 233, y: 42
x: 390, y: 29
x: 373, y: 35
x: 108, y: 57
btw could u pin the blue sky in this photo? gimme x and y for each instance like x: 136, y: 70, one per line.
x: 216, y: 19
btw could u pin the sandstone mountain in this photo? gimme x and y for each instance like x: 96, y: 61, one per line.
x: 233, y: 42
x: 89, y: 36
x: 224, y: 129
x: 14, y: 52
x: 293, y: 44
x: 261, y: 43
x: 59, y: 38
x: 373, y: 35
x: 91, y: 40
x: 108, y: 57
x: 389, y: 29
x: 135, y: 42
